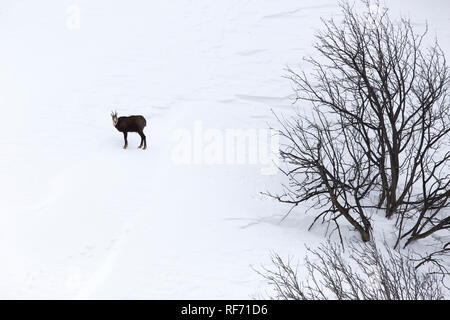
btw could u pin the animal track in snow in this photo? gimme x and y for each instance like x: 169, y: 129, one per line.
x: 261, y: 99
x: 293, y: 12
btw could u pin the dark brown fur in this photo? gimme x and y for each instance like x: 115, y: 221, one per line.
x: 131, y: 124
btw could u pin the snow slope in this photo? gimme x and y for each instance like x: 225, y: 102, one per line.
x: 82, y: 218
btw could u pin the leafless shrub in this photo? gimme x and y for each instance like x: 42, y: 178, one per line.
x: 437, y: 258
x: 367, y: 274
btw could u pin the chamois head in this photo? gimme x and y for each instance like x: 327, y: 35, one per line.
x: 114, y: 118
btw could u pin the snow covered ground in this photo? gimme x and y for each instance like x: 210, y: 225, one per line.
x: 82, y: 218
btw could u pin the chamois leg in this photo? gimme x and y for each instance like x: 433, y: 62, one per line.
x: 125, y: 135
x: 142, y: 139
x: 145, y: 141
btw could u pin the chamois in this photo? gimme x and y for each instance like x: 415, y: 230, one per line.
x: 130, y: 124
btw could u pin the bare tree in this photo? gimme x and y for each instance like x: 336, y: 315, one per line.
x: 368, y: 274
x: 437, y: 258
x: 328, y: 170
x: 378, y: 138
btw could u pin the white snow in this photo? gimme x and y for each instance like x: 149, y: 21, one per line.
x: 82, y: 218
